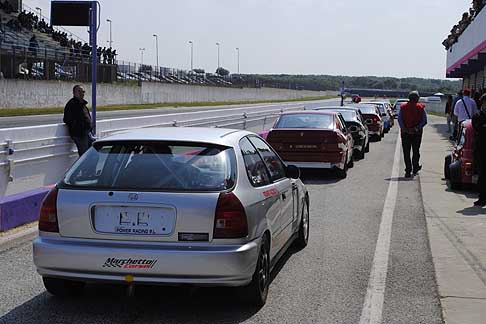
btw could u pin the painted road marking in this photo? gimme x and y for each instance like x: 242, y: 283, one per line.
x: 373, y: 306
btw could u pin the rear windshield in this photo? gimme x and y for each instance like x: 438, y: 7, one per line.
x: 367, y: 109
x: 165, y: 166
x: 306, y: 121
x: 348, y: 115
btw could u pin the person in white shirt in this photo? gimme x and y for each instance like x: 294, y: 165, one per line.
x: 466, y: 107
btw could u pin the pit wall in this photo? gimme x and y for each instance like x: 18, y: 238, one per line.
x: 42, y: 94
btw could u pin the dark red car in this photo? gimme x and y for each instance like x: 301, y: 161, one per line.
x: 313, y: 139
x: 459, y: 168
x: 372, y: 115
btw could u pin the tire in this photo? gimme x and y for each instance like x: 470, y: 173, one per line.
x: 454, y: 185
x: 351, y: 163
x: 360, y: 154
x: 257, y: 291
x: 367, y: 148
x: 63, y: 288
x: 447, y: 170
x: 303, y: 236
x: 383, y: 134
x: 342, y: 173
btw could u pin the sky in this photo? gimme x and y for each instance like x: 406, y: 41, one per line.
x: 394, y: 38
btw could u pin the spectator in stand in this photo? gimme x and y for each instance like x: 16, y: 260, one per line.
x: 78, y: 120
x: 33, y: 45
x: 105, y: 55
x: 448, y: 112
x: 479, y: 125
x: 412, y: 119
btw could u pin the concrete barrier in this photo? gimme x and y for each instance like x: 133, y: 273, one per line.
x: 41, y: 94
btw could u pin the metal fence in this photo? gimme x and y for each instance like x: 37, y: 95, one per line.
x: 33, y: 157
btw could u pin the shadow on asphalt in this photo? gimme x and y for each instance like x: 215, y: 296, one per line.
x: 106, y: 303
x: 472, y: 211
x: 400, y: 179
x: 443, y: 131
x: 319, y: 176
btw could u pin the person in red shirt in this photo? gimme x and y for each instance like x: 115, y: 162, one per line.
x: 412, y: 119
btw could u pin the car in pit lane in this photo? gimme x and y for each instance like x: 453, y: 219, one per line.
x: 397, y: 104
x: 355, y: 122
x: 384, y: 113
x: 313, y: 140
x: 373, y: 120
x: 459, y: 166
x: 172, y: 206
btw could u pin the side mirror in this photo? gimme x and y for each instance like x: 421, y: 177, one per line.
x: 353, y: 129
x: 383, y: 115
x: 292, y: 172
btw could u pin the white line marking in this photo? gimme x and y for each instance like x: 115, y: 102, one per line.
x: 373, y: 306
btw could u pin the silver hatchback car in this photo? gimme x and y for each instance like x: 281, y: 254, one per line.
x: 198, y: 206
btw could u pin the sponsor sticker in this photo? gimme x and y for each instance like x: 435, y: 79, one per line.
x: 129, y: 263
x: 270, y: 193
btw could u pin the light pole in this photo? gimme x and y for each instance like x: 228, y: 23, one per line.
x: 218, y: 45
x: 156, y: 52
x: 142, y: 49
x: 111, y: 40
x: 238, y: 59
x: 40, y: 12
x: 192, y: 54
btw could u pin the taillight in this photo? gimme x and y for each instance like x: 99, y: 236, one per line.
x: 468, y: 170
x: 230, y: 218
x: 48, y: 213
x: 375, y: 120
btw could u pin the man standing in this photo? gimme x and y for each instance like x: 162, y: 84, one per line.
x: 479, y: 125
x: 412, y: 119
x: 78, y: 120
x: 465, y: 107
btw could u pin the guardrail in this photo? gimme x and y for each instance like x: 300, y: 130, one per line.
x: 33, y: 157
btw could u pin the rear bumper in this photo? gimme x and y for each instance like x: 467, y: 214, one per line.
x: 197, y: 264
x: 316, y: 165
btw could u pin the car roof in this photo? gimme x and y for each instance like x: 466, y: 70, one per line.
x: 317, y: 112
x: 222, y: 136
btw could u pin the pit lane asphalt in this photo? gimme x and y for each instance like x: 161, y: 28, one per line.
x: 323, y: 283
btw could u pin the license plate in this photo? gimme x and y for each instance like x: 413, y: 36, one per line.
x: 475, y: 179
x: 305, y: 146
x: 134, y: 220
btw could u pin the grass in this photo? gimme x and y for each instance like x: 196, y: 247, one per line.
x: 11, y: 112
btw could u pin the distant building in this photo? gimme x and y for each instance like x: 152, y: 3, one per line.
x: 466, y: 57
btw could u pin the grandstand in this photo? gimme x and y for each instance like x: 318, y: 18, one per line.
x: 32, y: 49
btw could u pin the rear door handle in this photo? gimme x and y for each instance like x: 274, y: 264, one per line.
x: 284, y: 196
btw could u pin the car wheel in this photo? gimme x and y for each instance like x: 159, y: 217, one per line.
x: 257, y: 291
x: 303, y: 238
x: 447, y: 170
x: 360, y: 154
x: 342, y: 173
x: 63, y: 288
x: 351, y: 162
x: 367, y: 148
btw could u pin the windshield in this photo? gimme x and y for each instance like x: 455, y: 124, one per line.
x: 154, y: 166
x: 323, y: 121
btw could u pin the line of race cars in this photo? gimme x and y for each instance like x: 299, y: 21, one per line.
x: 330, y: 137
x: 195, y: 206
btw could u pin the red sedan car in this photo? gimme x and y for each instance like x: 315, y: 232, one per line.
x: 459, y: 168
x: 372, y: 115
x: 313, y: 139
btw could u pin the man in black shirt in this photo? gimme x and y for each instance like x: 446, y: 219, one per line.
x: 479, y: 125
x: 78, y: 120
